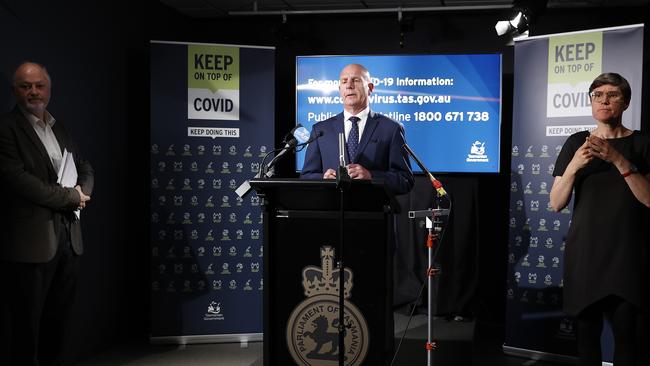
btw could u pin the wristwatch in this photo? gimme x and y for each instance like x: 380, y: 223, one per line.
x: 633, y: 169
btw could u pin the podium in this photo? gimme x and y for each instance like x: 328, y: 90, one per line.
x: 301, y: 301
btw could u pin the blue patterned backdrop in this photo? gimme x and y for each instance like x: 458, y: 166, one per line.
x: 534, y: 317
x: 206, y: 241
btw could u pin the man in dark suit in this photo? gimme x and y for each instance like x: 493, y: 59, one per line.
x: 374, y: 150
x: 374, y: 147
x: 40, y: 233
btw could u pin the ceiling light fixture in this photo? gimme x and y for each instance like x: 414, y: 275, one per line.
x: 525, y: 13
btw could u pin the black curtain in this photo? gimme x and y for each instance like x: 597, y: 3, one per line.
x: 457, y: 256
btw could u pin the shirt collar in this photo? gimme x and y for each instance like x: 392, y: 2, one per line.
x: 35, y: 121
x: 363, y: 115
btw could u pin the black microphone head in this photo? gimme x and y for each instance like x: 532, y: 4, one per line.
x: 290, y: 134
x: 291, y: 143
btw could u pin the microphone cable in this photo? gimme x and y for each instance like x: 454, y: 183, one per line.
x: 301, y: 146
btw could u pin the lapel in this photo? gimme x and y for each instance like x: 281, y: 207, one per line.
x: 371, y: 124
x: 339, y: 126
x: 60, y: 136
x: 27, y: 128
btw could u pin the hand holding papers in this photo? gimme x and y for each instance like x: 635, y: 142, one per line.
x: 67, y: 177
x: 67, y: 171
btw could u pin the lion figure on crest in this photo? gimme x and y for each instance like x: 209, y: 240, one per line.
x: 322, y: 337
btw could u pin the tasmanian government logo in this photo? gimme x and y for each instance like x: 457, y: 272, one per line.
x: 214, y: 312
x: 312, y: 328
x: 477, y: 153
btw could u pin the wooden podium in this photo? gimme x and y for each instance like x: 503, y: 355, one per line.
x: 301, y: 251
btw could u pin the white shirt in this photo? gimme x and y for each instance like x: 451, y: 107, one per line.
x: 363, y: 115
x: 46, y: 135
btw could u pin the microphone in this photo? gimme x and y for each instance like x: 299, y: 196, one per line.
x: 299, y: 137
x: 343, y: 180
x: 297, y: 132
x: 341, y: 149
x: 436, y: 183
x: 311, y: 139
x: 301, y: 134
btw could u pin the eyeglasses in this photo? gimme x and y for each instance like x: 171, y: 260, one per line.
x: 612, y: 96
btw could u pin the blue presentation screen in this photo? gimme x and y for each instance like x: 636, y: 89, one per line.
x: 450, y: 105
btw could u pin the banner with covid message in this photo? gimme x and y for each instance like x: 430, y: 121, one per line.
x: 212, y: 121
x: 551, y: 102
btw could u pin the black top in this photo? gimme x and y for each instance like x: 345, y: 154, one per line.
x: 607, y: 244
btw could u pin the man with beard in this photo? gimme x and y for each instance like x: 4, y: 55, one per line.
x: 40, y: 234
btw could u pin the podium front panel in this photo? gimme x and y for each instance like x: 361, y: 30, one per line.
x: 297, y: 294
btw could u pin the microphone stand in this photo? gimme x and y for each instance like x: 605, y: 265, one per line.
x: 291, y: 145
x: 434, y: 226
x: 267, y: 171
x: 343, y: 183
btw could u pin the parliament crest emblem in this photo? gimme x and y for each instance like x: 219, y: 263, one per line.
x: 312, y: 328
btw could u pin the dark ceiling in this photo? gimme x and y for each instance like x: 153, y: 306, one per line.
x: 229, y: 8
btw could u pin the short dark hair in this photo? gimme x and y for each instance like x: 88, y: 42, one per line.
x: 612, y: 78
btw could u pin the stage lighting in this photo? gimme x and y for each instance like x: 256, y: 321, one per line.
x: 517, y: 25
x: 525, y: 12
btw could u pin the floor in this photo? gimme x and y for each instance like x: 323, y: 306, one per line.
x: 456, y: 346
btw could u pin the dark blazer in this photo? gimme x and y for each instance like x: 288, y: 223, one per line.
x: 380, y: 151
x: 32, y: 199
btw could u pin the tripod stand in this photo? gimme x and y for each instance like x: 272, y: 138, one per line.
x: 434, y: 226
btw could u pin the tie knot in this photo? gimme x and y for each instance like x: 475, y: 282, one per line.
x: 354, y: 119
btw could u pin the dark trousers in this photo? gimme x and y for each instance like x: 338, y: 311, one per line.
x: 624, y: 319
x: 38, y: 308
